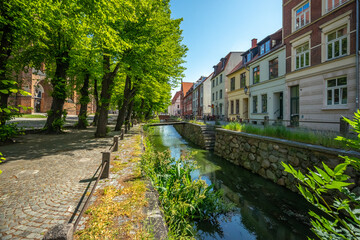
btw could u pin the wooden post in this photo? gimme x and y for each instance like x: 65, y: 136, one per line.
x: 122, y: 134
x: 106, y: 161
x: 116, y: 146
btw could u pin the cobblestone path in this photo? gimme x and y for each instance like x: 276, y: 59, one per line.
x: 43, y: 178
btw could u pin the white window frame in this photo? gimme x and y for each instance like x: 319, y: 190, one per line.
x: 339, y: 40
x: 302, y: 55
x: 333, y: 89
x: 326, y: 7
x: 302, y: 14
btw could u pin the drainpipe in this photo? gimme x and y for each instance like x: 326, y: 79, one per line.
x: 357, y: 54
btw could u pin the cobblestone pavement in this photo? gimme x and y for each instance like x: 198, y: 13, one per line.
x: 43, y: 179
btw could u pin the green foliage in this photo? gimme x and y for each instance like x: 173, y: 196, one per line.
x: 8, y: 131
x: 341, y: 215
x: 184, y: 200
x: 312, y: 137
x: 197, y: 122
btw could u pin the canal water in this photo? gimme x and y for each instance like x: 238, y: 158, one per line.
x: 263, y: 211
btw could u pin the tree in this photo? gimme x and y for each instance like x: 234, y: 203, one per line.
x: 155, y: 55
x: 341, y: 215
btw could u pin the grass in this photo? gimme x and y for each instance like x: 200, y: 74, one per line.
x: 32, y: 116
x: 326, y: 139
x: 196, y: 122
x: 118, y: 210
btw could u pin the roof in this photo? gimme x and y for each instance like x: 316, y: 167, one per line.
x: 220, y: 66
x: 239, y: 66
x: 185, y: 86
x: 176, y: 96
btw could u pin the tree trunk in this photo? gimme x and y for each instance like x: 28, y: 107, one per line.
x: 129, y: 112
x: 129, y: 93
x: 147, y: 115
x: 5, y: 53
x: 96, y: 96
x: 107, y: 84
x: 54, y: 121
x: 84, y: 101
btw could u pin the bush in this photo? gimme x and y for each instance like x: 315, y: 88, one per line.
x: 9, y: 131
x: 184, y: 200
x: 342, y: 215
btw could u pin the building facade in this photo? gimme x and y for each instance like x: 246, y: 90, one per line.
x: 267, y: 81
x: 320, y: 39
x: 185, y: 87
x: 219, y: 83
x: 238, y: 95
x: 175, y: 108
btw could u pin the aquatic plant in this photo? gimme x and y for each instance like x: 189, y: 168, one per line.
x: 183, y: 199
x: 342, y: 214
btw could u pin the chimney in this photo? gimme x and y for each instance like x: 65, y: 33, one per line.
x: 253, y: 42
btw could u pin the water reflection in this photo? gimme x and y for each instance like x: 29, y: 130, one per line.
x: 264, y: 210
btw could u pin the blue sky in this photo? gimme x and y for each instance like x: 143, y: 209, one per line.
x: 213, y: 28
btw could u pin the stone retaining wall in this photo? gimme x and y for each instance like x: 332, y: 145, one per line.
x: 191, y: 132
x: 263, y: 155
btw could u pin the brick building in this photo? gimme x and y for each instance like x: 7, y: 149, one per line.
x: 35, y: 82
x: 320, y: 39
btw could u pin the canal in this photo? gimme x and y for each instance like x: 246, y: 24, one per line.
x: 263, y: 209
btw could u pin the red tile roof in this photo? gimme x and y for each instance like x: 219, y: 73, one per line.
x: 219, y: 67
x: 185, y: 86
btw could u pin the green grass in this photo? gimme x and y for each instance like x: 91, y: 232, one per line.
x: 326, y: 139
x: 32, y: 116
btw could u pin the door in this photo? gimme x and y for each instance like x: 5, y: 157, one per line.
x: 294, y: 105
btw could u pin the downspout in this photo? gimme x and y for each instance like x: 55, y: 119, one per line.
x: 357, y: 54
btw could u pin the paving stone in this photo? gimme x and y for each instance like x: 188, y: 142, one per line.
x: 43, y: 177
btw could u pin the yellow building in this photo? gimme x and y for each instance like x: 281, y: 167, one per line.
x: 238, y: 93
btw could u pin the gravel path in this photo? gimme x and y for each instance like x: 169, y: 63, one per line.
x: 43, y: 179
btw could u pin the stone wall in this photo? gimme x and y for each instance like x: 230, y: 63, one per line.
x: 263, y: 155
x: 191, y: 132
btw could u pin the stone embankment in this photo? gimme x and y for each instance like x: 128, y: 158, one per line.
x: 201, y: 135
x: 263, y: 155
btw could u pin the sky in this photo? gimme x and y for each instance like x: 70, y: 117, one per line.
x: 213, y: 28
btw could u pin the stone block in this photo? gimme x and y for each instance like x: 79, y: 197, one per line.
x: 60, y: 232
x: 265, y: 164
x: 253, y: 149
x: 252, y: 157
x: 273, y: 159
x: 263, y: 146
x: 270, y: 175
x: 247, y: 147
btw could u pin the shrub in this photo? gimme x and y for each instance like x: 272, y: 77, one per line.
x: 342, y: 219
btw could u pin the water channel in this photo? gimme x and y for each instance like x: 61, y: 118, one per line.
x: 264, y: 210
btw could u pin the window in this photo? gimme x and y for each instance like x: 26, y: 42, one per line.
x: 217, y: 82
x: 232, y: 107
x: 178, y: 106
x: 232, y: 84
x: 220, y: 78
x: 221, y: 108
x: 248, y: 57
x: 264, y: 103
x: 220, y: 94
x: 256, y: 75
x: 337, y: 44
x: 242, y: 80
x: 302, y: 16
x: 213, y: 96
x: 213, y: 83
x: 262, y: 49
x: 337, y: 91
x: 255, y: 104
x: 216, y: 95
x: 273, y: 69
x: 237, y: 106
x: 331, y: 4
x: 302, y: 58
x: 267, y: 46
